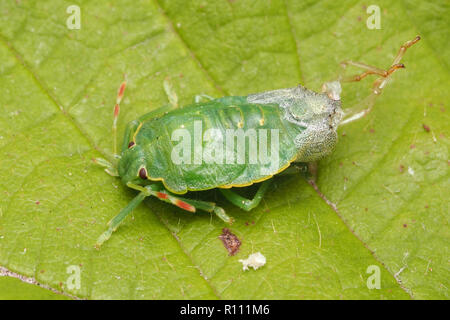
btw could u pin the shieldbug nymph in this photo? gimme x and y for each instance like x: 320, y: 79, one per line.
x: 232, y: 141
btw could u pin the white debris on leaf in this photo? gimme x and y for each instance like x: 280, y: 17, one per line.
x: 255, y: 260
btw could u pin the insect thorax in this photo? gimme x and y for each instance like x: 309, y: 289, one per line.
x: 315, y: 114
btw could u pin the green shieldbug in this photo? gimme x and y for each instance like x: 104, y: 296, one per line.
x: 301, y: 123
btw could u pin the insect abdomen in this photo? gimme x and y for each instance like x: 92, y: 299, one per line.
x: 200, y: 146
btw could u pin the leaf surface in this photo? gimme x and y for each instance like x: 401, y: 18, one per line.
x: 388, y: 176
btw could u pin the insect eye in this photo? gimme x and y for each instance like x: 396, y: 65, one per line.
x: 143, y: 174
x: 131, y: 144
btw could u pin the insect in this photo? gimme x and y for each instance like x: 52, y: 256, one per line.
x: 231, y: 139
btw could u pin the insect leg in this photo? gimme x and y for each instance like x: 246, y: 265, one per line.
x: 117, y: 220
x: 312, y: 171
x: 360, y: 110
x: 244, y: 203
x: 384, y: 74
x: 369, y: 70
x: 120, y: 92
x: 150, y: 190
x: 183, y: 203
x: 381, y: 82
x: 366, y: 106
x: 109, y: 167
x: 210, y: 207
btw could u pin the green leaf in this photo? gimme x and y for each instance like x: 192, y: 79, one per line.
x: 15, y: 289
x: 388, y: 176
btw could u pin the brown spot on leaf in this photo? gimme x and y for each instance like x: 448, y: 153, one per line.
x: 412, y: 146
x: 230, y: 241
x: 427, y: 128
